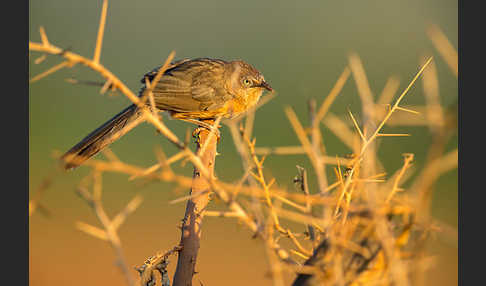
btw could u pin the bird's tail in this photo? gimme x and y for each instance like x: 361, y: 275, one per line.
x: 103, y: 136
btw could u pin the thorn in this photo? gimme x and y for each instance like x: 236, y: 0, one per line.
x: 357, y: 126
x: 407, y: 110
x: 40, y: 59
x: 43, y: 35
x: 272, y: 181
x: 255, y: 176
x: 263, y: 159
x: 108, y: 84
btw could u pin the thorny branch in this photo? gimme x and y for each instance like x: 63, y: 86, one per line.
x: 110, y: 226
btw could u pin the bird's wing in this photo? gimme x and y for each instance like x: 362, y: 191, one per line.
x: 191, y: 85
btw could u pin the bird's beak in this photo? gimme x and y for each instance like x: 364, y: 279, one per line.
x: 266, y: 86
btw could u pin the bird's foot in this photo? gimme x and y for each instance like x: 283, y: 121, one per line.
x: 198, y: 130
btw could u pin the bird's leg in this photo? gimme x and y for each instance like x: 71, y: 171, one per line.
x: 201, y: 125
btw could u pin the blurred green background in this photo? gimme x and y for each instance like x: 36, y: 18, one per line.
x: 301, y: 47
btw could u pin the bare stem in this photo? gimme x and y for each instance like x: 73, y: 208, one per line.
x: 191, y: 224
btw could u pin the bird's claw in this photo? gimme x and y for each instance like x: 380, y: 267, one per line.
x: 198, y: 130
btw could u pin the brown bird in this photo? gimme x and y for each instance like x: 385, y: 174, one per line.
x: 190, y: 90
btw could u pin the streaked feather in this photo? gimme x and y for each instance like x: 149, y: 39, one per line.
x: 190, y: 85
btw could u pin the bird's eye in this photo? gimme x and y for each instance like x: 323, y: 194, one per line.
x: 247, y: 82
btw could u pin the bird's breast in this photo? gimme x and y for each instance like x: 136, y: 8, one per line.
x: 253, y: 97
x: 240, y: 104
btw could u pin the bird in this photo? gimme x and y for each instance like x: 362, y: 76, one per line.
x: 190, y: 90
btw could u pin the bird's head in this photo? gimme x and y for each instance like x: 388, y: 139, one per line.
x: 246, y: 81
